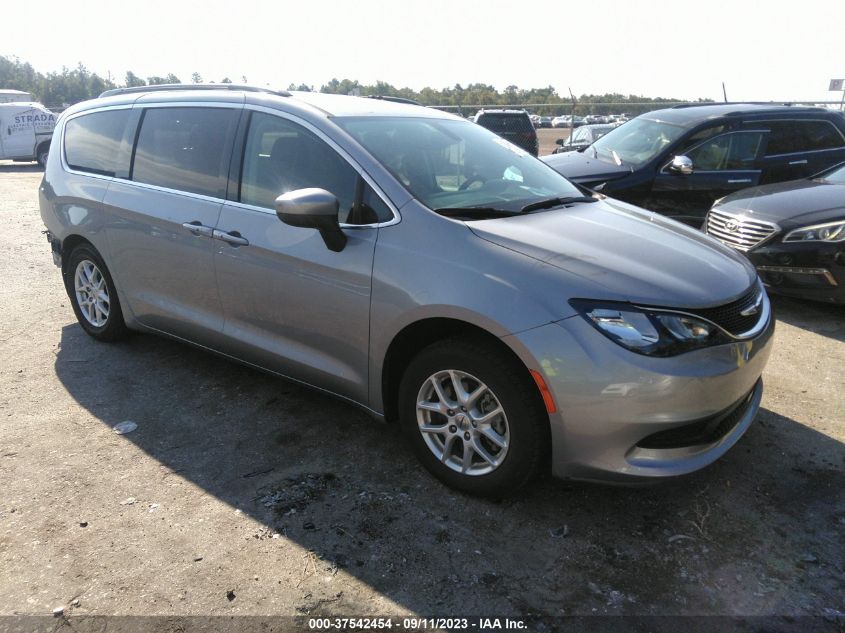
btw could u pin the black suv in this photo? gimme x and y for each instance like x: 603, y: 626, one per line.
x: 512, y: 125
x: 680, y: 160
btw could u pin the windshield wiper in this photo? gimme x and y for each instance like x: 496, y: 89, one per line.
x: 555, y: 202
x: 477, y: 213
x: 616, y: 158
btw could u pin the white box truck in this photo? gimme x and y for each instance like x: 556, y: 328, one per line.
x: 25, y: 132
x: 7, y: 96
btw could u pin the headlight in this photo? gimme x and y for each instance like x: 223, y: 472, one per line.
x: 829, y: 232
x: 650, y: 332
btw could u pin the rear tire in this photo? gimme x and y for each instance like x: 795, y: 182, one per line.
x: 93, y: 295
x: 41, y: 156
x: 457, y: 433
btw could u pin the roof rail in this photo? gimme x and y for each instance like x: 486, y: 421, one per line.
x: 166, y: 87
x: 394, y: 99
x: 720, y: 103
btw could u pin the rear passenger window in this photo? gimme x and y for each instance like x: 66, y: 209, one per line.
x: 281, y: 156
x: 92, y: 141
x: 789, y: 137
x: 185, y: 149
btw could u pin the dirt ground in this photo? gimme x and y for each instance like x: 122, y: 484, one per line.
x: 240, y: 493
x: 547, y: 137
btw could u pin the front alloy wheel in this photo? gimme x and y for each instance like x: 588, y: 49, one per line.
x: 473, y: 416
x: 462, y: 422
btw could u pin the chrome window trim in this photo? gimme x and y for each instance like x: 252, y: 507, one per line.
x: 808, y: 151
x: 252, y: 207
x: 64, y: 120
x: 397, y: 217
x: 178, y: 192
x: 234, y: 106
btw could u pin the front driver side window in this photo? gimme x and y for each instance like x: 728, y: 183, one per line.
x: 281, y: 156
x: 737, y: 150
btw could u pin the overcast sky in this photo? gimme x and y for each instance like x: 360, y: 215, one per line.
x: 681, y: 48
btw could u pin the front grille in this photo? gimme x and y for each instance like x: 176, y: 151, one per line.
x: 729, y: 316
x: 739, y: 231
x: 700, y: 432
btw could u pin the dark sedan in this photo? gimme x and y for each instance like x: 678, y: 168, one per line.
x: 793, y: 232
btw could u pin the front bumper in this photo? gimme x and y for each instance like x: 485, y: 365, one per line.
x: 625, y: 417
x: 808, y: 270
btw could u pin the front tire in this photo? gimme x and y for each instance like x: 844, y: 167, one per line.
x: 474, y: 417
x: 93, y: 295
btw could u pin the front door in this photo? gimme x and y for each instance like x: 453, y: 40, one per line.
x: 291, y: 304
x: 721, y: 165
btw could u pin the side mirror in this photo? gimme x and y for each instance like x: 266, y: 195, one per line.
x: 681, y: 165
x: 560, y: 142
x: 313, y: 209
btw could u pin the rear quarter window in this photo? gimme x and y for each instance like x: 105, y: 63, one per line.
x: 92, y: 141
x: 821, y: 135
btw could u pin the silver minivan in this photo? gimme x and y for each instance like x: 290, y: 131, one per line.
x: 416, y: 265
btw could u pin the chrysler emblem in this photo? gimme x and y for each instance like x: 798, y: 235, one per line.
x: 731, y: 225
x: 753, y: 309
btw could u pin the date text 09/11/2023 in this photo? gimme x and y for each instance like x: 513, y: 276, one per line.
x: 482, y: 624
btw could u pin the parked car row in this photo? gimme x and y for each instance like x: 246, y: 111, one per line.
x: 758, y: 178
x: 416, y: 265
x: 569, y: 121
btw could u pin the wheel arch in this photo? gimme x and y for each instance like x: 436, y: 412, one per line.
x: 414, y: 337
x: 69, y: 244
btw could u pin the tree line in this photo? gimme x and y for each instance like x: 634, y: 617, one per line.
x: 58, y: 90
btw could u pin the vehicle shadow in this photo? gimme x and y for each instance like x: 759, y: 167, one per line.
x: 760, y: 531
x: 8, y: 167
x: 826, y: 319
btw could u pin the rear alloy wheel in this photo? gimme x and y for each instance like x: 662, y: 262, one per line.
x: 473, y: 417
x: 93, y: 295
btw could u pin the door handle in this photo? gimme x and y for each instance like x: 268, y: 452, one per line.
x: 798, y: 162
x: 198, y: 228
x: 234, y: 238
x: 739, y: 180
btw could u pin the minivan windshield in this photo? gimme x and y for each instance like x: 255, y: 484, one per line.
x: 636, y: 142
x: 452, y: 165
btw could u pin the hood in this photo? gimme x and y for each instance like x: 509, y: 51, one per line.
x: 788, y: 204
x: 627, y: 252
x: 581, y: 167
